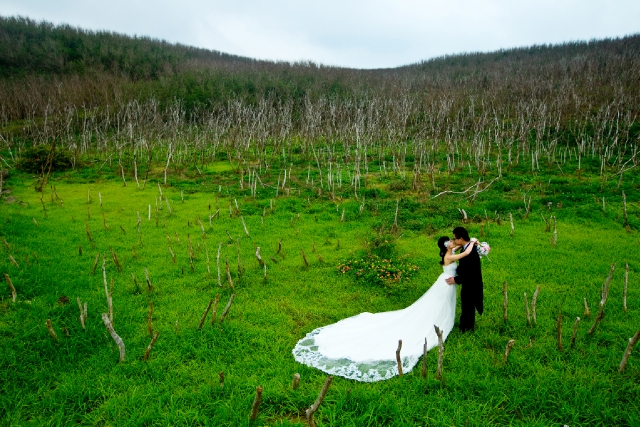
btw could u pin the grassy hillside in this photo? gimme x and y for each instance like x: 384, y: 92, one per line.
x: 56, y: 236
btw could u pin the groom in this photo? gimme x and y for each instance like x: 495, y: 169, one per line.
x: 469, y: 275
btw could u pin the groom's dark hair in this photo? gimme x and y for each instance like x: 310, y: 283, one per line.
x: 461, y: 233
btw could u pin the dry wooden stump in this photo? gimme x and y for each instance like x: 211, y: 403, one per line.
x: 255, y: 408
x: 116, y: 338
x: 507, y: 350
x: 313, y: 408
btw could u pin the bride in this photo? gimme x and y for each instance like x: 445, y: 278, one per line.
x: 363, y: 347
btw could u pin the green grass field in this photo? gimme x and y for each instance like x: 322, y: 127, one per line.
x: 78, y: 378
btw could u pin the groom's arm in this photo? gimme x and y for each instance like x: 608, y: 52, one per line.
x: 460, y: 278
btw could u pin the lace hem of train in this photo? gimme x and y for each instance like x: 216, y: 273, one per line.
x: 306, y: 352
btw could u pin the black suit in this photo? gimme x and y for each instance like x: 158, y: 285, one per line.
x: 469, y: 275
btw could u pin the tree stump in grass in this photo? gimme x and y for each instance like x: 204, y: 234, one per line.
x: 218, y: 264
x: 14, y: 294
x: 440, y: 353
x: 313, y: 408
x: 51, y: 331
x: 603, y: 300
x: 587, y: 312
x: 146, y: 275
x: 624, y: 211
x: 507, y: 350
x: 627, y: 352
x: 559, y: 332
x: 204, y: 315
x: 226, y: 262
x: 244, y: 226
x: 398, y: 359
x: 149, y: 319
x: 106, y: 289
x: 83, y: 313
x: 226, y: 309
x: 255, y: 408
x: 116, y: 338
x: 215, y: 309
x: 150, y: 347
x: 511, y: 221
x: 115, y: 260
x: 258, y: 257
x: 505, y: 301
x: 13, y: 261
x: 424, y: 360
x: 295, y: 383
x: 575, y: 332
x: 534, y: 299
x: 624, y: 291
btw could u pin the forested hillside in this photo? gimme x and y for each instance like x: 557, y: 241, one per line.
x: 59, y: 82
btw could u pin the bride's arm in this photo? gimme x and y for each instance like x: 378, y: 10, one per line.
x: 467, y: 251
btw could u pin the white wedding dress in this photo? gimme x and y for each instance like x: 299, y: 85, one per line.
x: 363, y: 347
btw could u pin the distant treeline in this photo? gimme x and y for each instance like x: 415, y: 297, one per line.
x: 41, y: 63
x: 28, y: 47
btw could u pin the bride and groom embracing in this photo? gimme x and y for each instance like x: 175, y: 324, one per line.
x: 363, y: 347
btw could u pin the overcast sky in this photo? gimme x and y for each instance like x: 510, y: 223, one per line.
x: 358, y: 33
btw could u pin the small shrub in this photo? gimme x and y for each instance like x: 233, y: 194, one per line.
x: 373, y: 193
x: 382, y: 244
x: 390, y: 273
x: 398, y: 185
x: 34, y: 160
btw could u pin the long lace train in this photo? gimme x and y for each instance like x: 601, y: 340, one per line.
x: 363, y: 347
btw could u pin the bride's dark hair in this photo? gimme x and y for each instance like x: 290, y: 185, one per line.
x: 443, y: 248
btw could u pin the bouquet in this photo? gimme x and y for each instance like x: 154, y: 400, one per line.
x: 484, y: 249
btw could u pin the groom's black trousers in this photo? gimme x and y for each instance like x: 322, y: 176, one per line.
x: 471, y: 298
x: 468, y: 315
